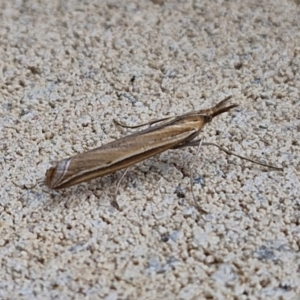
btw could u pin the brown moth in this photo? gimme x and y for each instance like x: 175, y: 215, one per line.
x: 176, y: 132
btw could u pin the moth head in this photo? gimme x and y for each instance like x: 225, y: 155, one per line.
x: 207, y: 118
x: 221, y: 107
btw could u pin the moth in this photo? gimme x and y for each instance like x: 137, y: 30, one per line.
x: 163, y: 134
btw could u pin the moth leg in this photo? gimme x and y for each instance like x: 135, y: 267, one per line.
x: 196, y: 142
x: 187, y: 142
x: 114, y: 202
x: 141, y: 125
x: 200, y: 209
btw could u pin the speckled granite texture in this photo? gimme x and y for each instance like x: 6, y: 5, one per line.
x: 67, y: 70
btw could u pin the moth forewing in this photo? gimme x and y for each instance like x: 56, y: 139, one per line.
x: 131, y: 149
